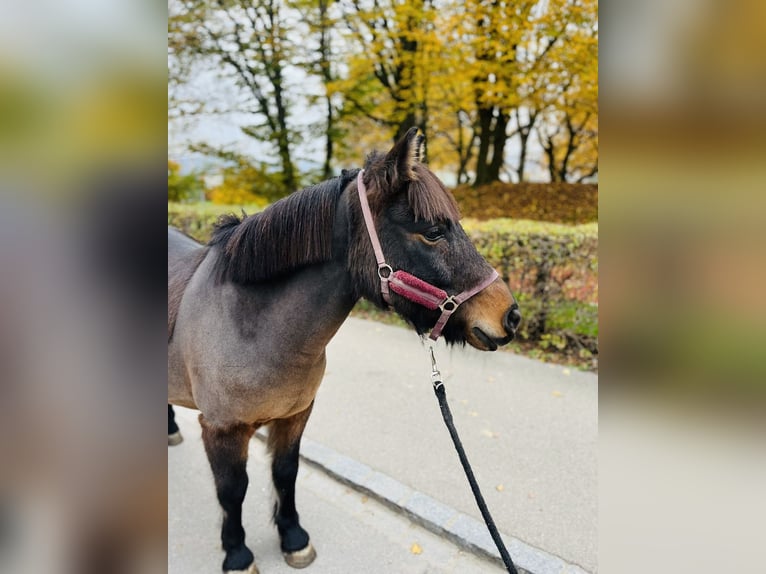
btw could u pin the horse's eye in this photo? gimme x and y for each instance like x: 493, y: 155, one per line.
x: 434, y: 234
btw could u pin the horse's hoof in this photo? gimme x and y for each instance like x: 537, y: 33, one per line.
x: 252, y: 570
x: 300, y: 558
x: 175, y: 438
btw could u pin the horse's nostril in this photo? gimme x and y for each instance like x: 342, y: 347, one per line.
x: 512, y: 319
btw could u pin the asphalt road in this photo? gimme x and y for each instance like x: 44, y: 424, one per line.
x: 529, y: 428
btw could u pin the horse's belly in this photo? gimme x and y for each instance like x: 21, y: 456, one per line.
x: 178, y: 395
x: 246, y: 395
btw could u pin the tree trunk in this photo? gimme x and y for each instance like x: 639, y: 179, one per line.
x: 499, y: 137
x: 406, y: 83
x: 283, y: 136
x: 571, y: 145
x: 324, y: 63
x: 485, y: 121
x: 329, y: 142
x: 492, y: 137
x: 552, y: 171
x: 464, y: 151
x: 288, y: 170
x: 524, y: 131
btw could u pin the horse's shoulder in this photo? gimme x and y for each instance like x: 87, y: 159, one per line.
x: 184, y: 257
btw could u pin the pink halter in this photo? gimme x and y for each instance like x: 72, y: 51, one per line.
x: 409, y: 286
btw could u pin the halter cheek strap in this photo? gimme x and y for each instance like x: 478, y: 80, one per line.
x: 409, y: 286
x: 384, y: 270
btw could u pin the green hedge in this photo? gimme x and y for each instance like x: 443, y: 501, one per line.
x: 570, y: 203
x: 551, y: 268
x: 553, y: 271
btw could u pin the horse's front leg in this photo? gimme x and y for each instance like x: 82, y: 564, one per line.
x: 284, y: 443
x: 226, y: 450
x: 174, y: 435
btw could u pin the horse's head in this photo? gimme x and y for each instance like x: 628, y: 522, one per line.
x: 417, y: 221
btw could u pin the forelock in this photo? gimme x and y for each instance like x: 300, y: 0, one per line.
x: 429, y: 199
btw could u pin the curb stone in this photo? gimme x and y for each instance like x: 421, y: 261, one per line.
x: 435, y: 516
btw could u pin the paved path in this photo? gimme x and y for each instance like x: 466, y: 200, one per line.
x: 529, y: 429
x: 351, y: 532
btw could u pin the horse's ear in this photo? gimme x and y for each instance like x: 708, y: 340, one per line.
x: 404, y: 155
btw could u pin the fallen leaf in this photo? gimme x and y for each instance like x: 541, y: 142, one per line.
x: 489, y: 434
x: 473, y: 413
x: 416, y: 549
x: 558, y: 394
x: 365, y: 499
x: 565, y: 372
x: 500, y: 488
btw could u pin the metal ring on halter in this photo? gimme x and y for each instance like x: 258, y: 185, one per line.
x: 382, y: 267
x: 449, y: 305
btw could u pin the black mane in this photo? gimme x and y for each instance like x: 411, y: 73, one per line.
x: 291, y: 233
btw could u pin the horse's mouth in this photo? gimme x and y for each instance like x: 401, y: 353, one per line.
x: 484, y: 339
x: 487, y: 342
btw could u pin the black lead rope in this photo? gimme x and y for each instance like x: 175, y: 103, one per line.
x: 441, y: 396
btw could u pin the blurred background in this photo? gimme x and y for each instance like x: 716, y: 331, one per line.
x: 506, y: 94
x: 82, y: 364
x: 681, y: 464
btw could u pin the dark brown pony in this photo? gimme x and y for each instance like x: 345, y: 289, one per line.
x: 251, y: 313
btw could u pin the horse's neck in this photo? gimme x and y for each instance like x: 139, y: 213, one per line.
x: 320, y: 302
x: 298, y: 313
x: 316, y: 300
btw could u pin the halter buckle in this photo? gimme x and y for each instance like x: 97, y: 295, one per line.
x: 448, y: 305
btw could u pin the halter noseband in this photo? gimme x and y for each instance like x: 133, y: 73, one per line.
x: 409, y: 286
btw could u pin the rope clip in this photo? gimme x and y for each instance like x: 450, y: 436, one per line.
x: 435, y: 374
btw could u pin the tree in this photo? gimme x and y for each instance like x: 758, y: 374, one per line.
x: 183, y: 187
x: 489, y: 37
x: 478, y: 77
x: 571, y: 145
x: 319, y: 57
x: 524, y: 130
x: 504, y: 57
x: 388, y: 77
x: 569, y: 103
x: 246, y: 183
x: 246, y: 41
x: 244, y: 180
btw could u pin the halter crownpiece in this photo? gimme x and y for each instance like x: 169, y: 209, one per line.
x: 407, y: 285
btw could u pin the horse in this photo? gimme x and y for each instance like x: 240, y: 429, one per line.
x: 251, y: 312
